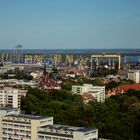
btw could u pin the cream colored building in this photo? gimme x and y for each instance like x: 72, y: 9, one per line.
x: 63, y: 132
x: 9, y: 97
x: 97, y: 91
x: 134, y: 76
x: 15, y: 126
x: 6, y: 111
x: 22, y: 127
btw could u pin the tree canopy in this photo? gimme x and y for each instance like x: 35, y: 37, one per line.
x: 118, y: 118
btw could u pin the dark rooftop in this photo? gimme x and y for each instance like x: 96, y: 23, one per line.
x: 7, y: 108
x: 29, y: 117
x: 68, y: 128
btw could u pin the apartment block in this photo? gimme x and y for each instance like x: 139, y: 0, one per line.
x: 6, y: 111
x: 10, y: 97
x: 15, y: 126
x: 134, y: 76
x: 22, y: 127
x: 98, y: 92
x: 63, y: 132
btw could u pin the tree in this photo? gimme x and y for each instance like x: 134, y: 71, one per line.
x: 117, y: 118
x: 67, y: 85
x: 111, y: 85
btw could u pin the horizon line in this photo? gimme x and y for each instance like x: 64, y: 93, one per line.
x: 73, y: 49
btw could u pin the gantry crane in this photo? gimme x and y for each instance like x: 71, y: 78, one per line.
x: 97, y: 56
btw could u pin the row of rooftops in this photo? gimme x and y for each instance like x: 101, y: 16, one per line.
x: 15, y: 81
x: 31, y: 117
x: 11, y: 115
x: 67, y: 128
x: 123, y: 89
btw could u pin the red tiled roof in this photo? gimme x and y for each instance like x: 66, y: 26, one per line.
x: 87, y: 95
x: 125, y: 88
x: 104, y: 81
x: 62, y: 72
x: 117, y: 92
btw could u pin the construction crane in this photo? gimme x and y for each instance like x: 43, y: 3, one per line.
x: 11, y: 57
x: 2, y: 57
x: 7, y: 56
x: 57, y: 58
x: 69, y: 59
x: 97, y: 56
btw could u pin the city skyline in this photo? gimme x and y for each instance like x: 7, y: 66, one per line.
x: 71, y: 24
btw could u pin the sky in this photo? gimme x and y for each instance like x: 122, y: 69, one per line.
x: 70, y: 24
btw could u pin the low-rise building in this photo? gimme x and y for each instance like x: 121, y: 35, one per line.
x: 36, y: 74
x: 45, y: 83
x: 63, y: 132
x: 97, y: 91
x: 15, y: 82
x: 87, y: 96
x: 122, y: 89
x: 125, y: 88
x: 6, y: 68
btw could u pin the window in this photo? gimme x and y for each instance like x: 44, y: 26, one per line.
x: 48, y: 138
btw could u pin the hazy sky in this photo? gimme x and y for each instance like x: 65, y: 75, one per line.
x: 74, y: 24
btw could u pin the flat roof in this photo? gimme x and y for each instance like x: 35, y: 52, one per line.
x: 68, y: 128
x: 8, y: 108
x: 29, y: 117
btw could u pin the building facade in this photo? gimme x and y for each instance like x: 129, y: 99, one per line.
x: 15, y: 126
x: 22, y: 127
x: 134, y: 76
x: 9, y: 97
x: 97, y: 91
x: 63, y: 132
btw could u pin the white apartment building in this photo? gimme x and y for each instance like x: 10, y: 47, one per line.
x: 10, y: 97
x: 134, y: 76
x: 63, y: 132
x: 96, y: 91
x: 14, y: 126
